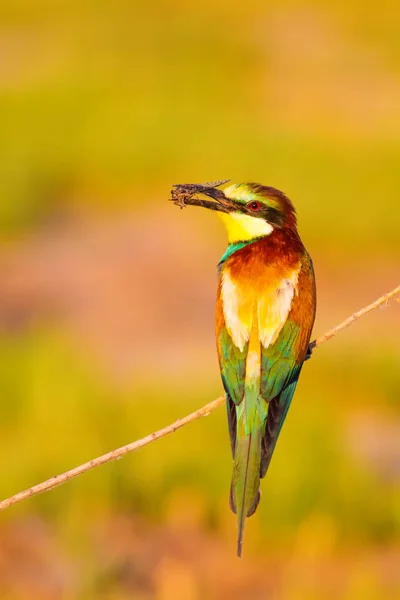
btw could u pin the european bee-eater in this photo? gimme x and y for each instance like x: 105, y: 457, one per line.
x: 264, y: 316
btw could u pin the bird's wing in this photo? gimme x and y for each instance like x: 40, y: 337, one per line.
x: 233, y: 368
x: 281, y: 362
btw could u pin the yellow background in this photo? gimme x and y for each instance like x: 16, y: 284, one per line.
x: 107, y: 293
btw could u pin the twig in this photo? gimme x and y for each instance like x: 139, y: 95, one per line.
x: 350, y: 320
x: 113, y: 455
x: 201, y: 412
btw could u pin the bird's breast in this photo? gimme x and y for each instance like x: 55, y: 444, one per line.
x: 255, y: 304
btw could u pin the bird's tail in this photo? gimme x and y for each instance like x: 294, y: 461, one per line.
x: 245, y: 486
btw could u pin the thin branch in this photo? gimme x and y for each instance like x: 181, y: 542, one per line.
x: 113, y: 455
x: 201, y: 412
x: 385, y: 299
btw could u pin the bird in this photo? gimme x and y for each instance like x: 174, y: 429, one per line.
x: 265, y: 311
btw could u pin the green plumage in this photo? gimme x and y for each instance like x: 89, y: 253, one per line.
x: 256, y: 413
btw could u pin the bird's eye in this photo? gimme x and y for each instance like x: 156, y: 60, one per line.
x: 254, y: 205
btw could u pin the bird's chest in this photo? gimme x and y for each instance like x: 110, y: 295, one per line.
x: 255, y: 303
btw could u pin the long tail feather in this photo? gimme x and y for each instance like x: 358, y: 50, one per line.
x: 245, y: 494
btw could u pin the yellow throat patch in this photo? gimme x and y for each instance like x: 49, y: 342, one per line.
x: 242, y: 228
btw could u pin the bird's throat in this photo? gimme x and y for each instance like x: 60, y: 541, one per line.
x: 244, y: 228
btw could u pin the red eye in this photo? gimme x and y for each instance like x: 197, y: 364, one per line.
x: 254, y: 205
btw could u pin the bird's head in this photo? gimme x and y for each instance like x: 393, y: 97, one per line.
x: 248, y: 210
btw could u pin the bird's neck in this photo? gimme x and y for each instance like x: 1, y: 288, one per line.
x: 281, y: 242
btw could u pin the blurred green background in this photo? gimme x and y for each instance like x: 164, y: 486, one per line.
x: 107, y: 293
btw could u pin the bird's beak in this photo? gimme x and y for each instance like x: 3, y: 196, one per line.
x: 187, y: 194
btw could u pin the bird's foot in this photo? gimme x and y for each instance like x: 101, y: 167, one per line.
x: 309, y: 351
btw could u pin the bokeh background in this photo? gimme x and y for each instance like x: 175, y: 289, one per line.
x: 107, y: 294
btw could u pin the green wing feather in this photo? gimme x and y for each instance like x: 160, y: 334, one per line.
x: 233, y: 366
x: 281, y: 363
x: 233, y: 371
x: 280, y: 371
x: 277, y: 411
